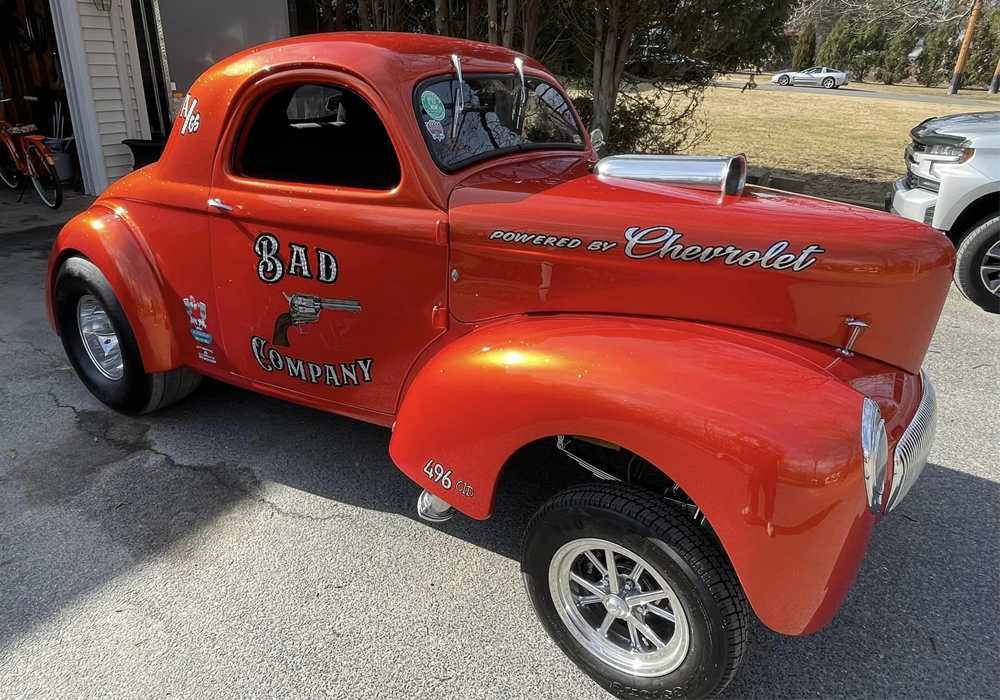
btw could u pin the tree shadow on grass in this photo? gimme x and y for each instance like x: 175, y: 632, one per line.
x: 861, y: 189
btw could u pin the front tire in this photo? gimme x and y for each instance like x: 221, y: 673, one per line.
x: 977, y: 264
x: 686, y: 632
x: 102, y: 348
x: 783, y: 80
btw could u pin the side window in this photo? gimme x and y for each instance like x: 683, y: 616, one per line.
x: 317, y: 135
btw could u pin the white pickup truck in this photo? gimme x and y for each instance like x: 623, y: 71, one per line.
x: 952, y: 183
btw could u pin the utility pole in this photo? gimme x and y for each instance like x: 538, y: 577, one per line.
x: 956, y: 79
x: 995, y: 83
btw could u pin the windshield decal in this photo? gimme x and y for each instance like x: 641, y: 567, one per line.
x: 432, y: 104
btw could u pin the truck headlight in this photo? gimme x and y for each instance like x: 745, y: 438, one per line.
x: 957, y: 154
x: 875, y: 451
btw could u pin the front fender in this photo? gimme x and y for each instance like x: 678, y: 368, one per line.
x: 764, y: 442
x: 107, y: 239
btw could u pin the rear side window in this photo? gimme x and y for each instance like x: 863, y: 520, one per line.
x: 317, y: 135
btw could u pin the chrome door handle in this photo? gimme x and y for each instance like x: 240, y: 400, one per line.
x: 217, y: 203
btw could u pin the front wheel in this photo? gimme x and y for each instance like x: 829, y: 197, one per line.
x: 977, y: 264
x: 783, y: 80
x: 639, y: 596
x: 46, y: 181
x: 829, y: 83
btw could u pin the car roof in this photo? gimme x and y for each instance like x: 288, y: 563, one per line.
x: 390, y: 63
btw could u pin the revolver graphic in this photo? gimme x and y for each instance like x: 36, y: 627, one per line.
x: 304, y: 309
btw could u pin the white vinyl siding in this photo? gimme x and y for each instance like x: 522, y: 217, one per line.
x: 109, y: 45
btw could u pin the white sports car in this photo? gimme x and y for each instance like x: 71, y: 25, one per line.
x: 820, y: 76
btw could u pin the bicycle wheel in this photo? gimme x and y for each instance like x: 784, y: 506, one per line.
x: 47, y: 183
x: 9, y: 174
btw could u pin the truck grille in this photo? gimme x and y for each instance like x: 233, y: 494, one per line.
x: 912, y: 450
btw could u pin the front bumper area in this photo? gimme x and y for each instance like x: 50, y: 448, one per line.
x: 914, y: 447
x: 913, y: 203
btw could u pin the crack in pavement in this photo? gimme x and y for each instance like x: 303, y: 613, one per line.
x: 142, y: 444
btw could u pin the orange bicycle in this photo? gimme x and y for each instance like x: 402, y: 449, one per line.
x: 24, y: 153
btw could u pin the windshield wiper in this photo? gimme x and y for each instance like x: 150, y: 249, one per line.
x: 458, y: 109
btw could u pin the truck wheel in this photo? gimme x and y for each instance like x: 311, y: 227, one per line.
x: 636, y: 593
x: 102, y: 348
x: 977, y: 268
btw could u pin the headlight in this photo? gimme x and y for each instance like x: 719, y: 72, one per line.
x: 959, y: 154
x: 875, y: 451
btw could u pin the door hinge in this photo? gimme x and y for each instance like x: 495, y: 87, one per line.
x: 441, y: 232
x: 439, y: 317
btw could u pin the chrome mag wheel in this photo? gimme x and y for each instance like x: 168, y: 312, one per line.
x: 619, y: 607
x: 99, y: 337
x: 990, y: 269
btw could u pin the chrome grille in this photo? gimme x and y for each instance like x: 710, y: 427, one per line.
x: 914, y: 447
x: 929, y: 215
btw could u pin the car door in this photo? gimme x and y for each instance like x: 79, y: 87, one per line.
x: 328, y: 259
x: 808, y: 77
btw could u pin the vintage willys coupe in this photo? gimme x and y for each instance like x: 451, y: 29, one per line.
x: 416, y: 231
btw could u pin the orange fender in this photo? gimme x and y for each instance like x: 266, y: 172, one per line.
x: 110, y: 242
x: 764, y: 442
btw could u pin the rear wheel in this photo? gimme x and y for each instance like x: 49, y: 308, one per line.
x: 639, y: 596
x: 47, y: 181
x: 9, y: 174
x: 102, y: 348
x: 829, y: 83
x: 977, y: 265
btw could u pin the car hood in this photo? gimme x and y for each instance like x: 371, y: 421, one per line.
x: 962, y: 125
x: 548, y: 236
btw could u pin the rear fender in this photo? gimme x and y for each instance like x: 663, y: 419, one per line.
x: 109, y: 240
x: 765, y: 443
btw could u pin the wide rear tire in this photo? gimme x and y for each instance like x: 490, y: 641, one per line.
x: 102, y: 348
x: 567, y: 573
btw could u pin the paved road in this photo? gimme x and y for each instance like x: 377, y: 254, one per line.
x: 236, y: 546
x: 765, y: 84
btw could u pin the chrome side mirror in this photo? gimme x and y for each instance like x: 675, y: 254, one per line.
x: 597, y: 138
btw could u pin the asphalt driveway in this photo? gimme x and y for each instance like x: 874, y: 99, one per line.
x: 236, y: 546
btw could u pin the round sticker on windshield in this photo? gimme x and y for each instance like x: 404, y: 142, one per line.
x: 432, y: 104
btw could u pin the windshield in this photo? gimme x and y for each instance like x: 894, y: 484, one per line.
x: 496, y: 118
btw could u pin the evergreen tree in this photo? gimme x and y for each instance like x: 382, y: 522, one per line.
x: 838, y: 49
x: 938, y: 48
x: 805, y: 49
x: 868, y: 49
x: 896, y: 64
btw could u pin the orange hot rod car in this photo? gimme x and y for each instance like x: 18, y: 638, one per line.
x: 417, y: 232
